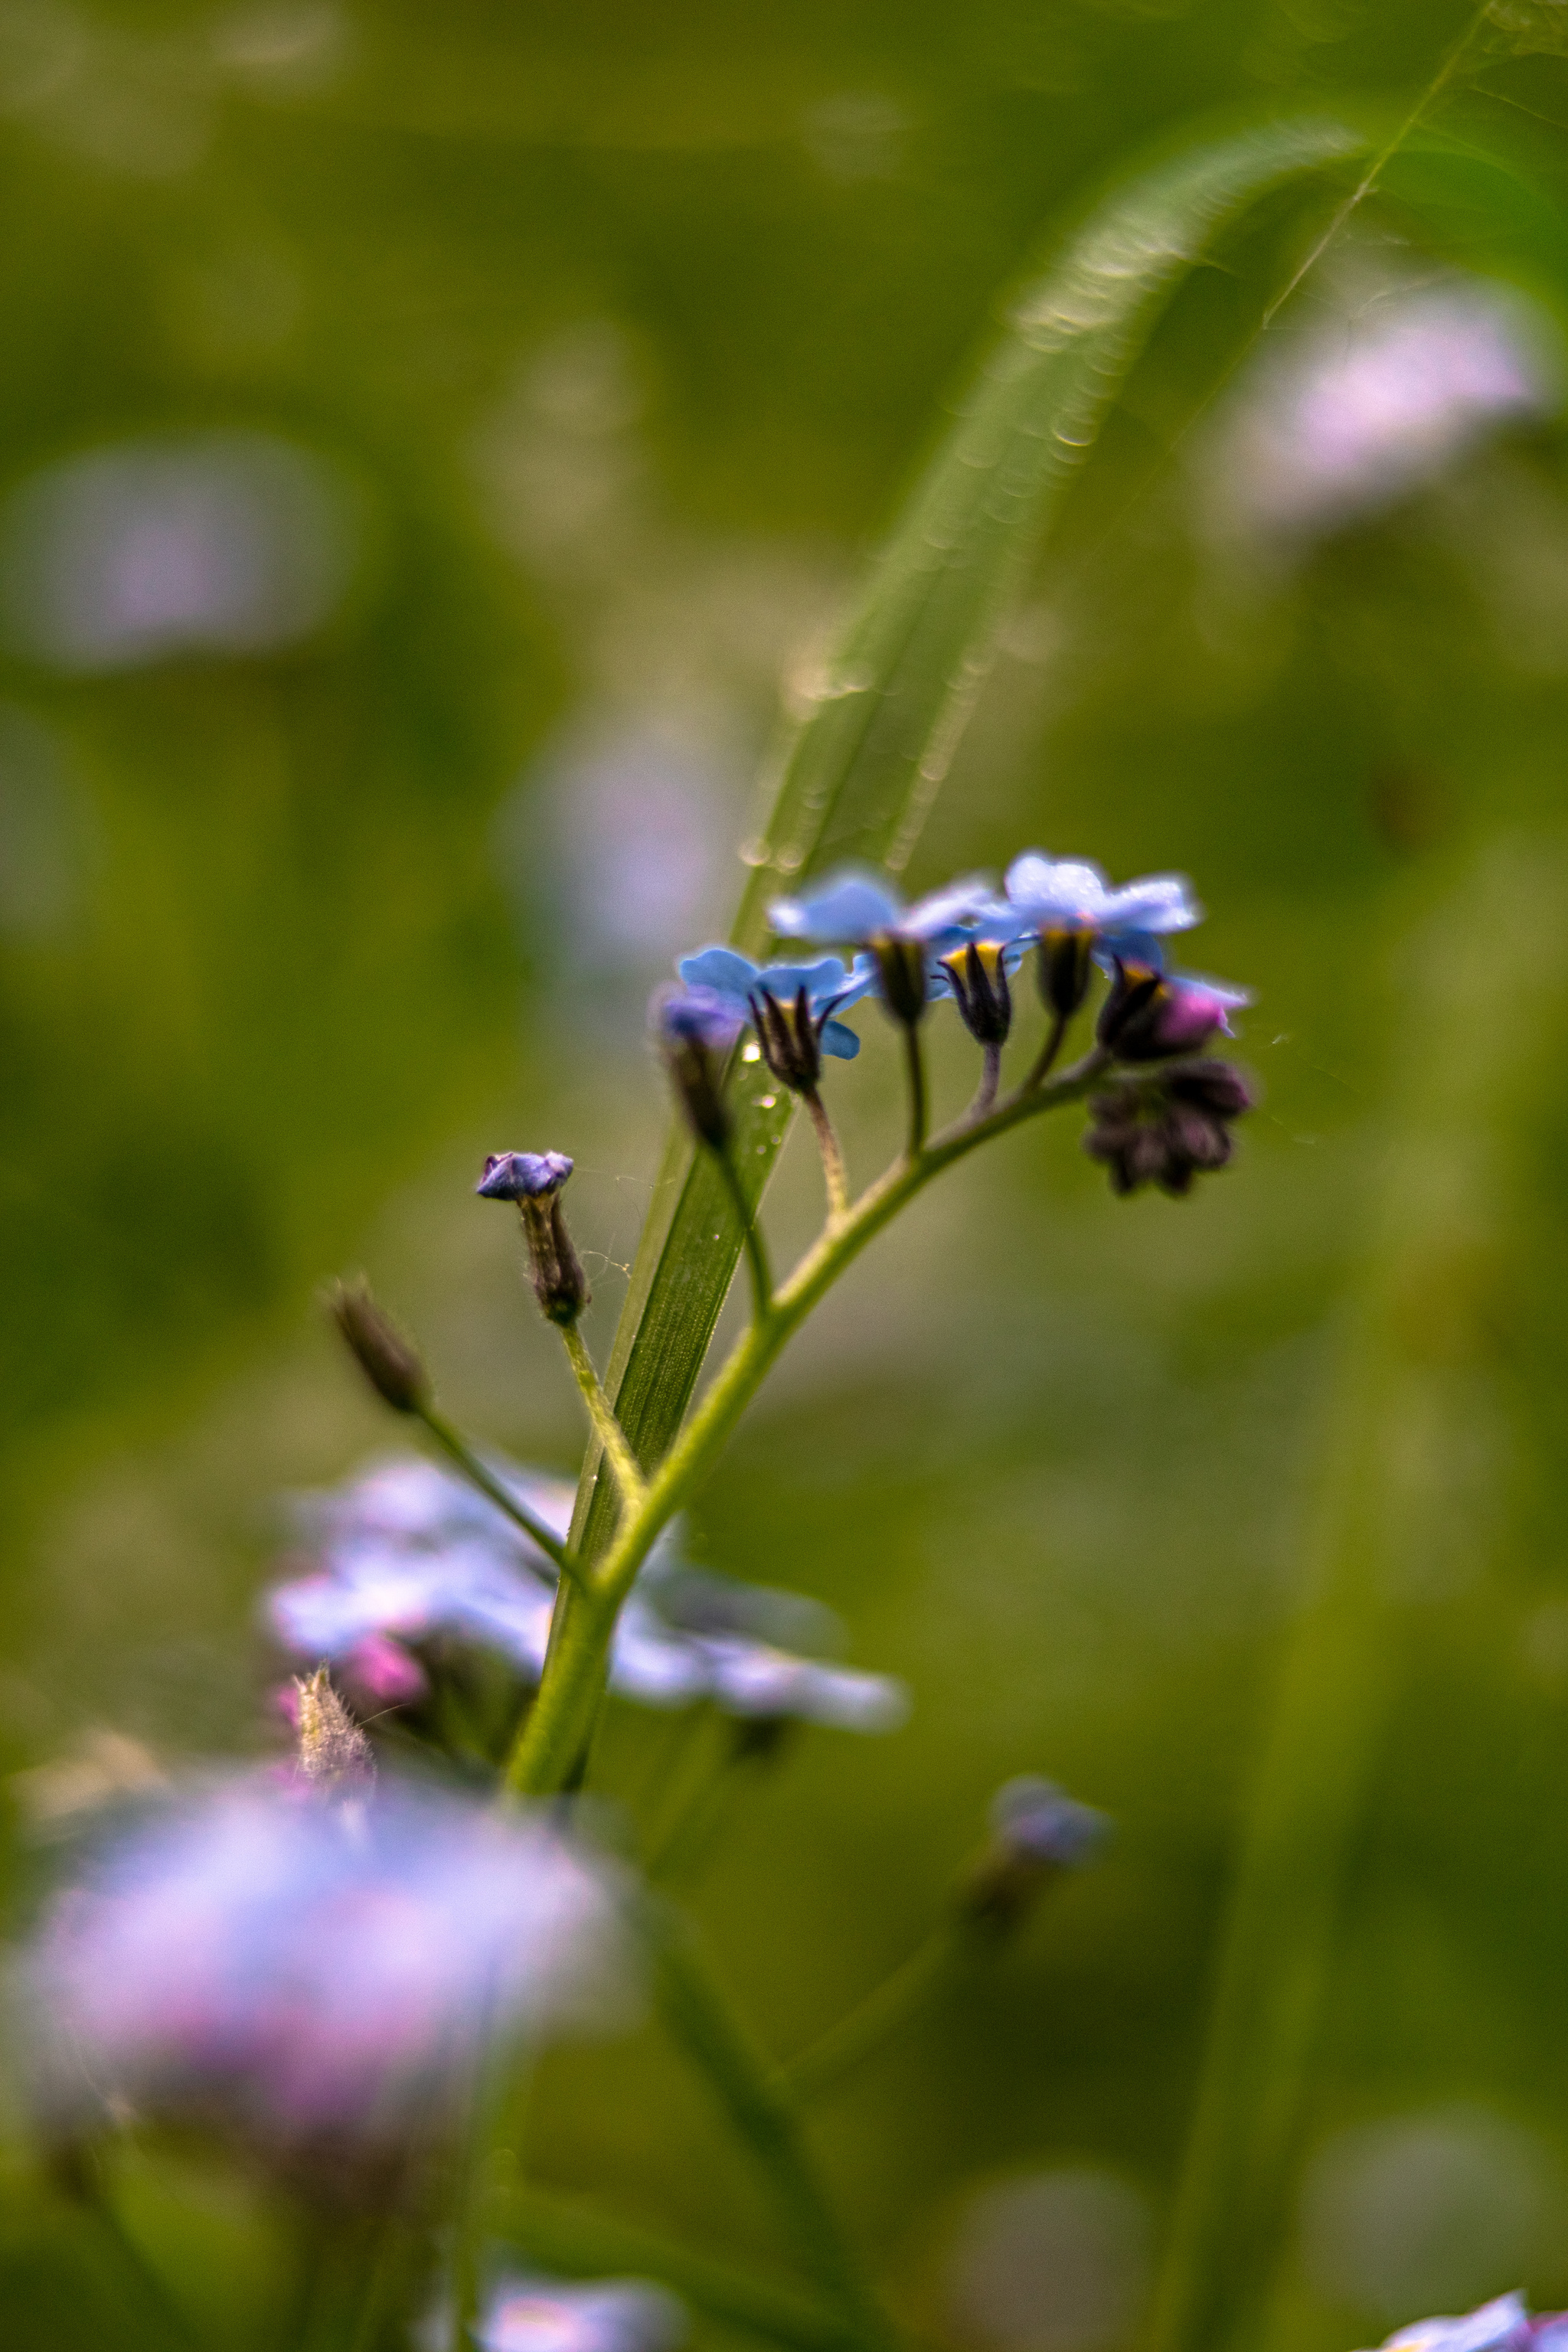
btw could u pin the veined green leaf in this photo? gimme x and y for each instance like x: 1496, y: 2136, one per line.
x: 857, y: 775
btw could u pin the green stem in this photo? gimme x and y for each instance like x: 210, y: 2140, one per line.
x: 834, y: 1174
x: 990, y: 1080
x: 751, y: 1231
x: 883, y: 2013
x: 473, y: 1469
x: 146, y: 2281
x: 555, y: 1731
x: 1048, y: 1052
x: 702, y: 2018
x: 606, y: 1428
x: 573, y: 2238
x: 914, y: 1054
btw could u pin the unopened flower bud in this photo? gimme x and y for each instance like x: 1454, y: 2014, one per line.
x: 533, y: 1179
x: 1037, y: 1833
x: 390, y: 1363
x: 901, y: 981
x: 789, y: 1037
x: 1066, y: 967
x: 979, y: 975
x: 1169, y: 1127
x: 1150, y: 1016
x: 333, y: 1752
x: 695, y: 1030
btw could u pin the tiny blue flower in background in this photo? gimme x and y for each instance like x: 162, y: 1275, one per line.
x: 1037, y: 1821
x: 523, y: 1175
x: 854, y: 907
x: 1046, y: 893
x: 1503, y: 2325
x: 407, y: 1553
x: 731, y: 980
x: 545, y: 2314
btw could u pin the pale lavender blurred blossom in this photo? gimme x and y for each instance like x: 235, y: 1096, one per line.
x: 226, y: 543
x: 405, y: 1553
x: 543, y: 2314
x: 312, y: 1977
x: 1349, y: 419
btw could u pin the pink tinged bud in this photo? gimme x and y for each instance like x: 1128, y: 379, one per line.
x: 1189, y: 1014
x: 378, y: 1674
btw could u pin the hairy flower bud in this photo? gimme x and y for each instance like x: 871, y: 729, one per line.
x: 901, y: 981
x: 1066, y: 966
x: 789, y: 1037
x: 979, y: 975
x: 333, y: 1752
x: 389, y: 1361
x: 1037, y: 1833
x: 533, y: 1179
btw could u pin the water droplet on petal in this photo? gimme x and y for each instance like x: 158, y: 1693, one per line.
x: 750, y: 1051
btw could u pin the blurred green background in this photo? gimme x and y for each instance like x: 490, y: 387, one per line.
x: 582, y: 351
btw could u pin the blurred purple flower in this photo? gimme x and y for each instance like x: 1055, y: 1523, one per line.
x: 406, y: 1553
x: 1503, y: 2325
x: 544, y: 2315
x: 314, y: 1977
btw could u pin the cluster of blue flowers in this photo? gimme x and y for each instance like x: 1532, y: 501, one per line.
x: 964, y: 944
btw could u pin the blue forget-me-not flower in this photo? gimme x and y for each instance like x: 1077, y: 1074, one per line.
x: 734, y: 983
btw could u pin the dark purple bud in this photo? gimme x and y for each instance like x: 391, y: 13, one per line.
x: 1216, y: 1087
x: 979, y: 976
x: 523, y: 1175
x: 1148, y: 1015
x: 790, y: 1036
x: 1066, y: 967
x: 390, y: 1363
x: 902, y: 980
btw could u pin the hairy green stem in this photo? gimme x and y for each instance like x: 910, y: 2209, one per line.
x: 602, y: 1413
x: 834, y: 1174
x: 572, y: 2238
x: 555, y: 1732
x: 700, y: 2014
x: 474, y: 1470
x: 883, y: 2013
x: 990, y: 1082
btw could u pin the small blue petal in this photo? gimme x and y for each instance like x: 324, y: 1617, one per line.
x: 849, y: 908
x: 836, y: 1039
x: 723, y: 970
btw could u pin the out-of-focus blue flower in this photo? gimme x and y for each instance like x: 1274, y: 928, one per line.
x: 1044, y: 894
x: 703, y: 1017
x: 1038, y: 1823
x: 315, y: 1978
x: 730, y: 980
x: 523, y: 1175
x: 1503, y: 2325
x: 545, y: 2314
x: 856, y: 905
x: 407, y: 1552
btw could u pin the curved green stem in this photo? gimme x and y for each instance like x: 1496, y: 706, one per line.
x: 602, y: 1413
x: 699, y: 2013
x: 751, y: 1233
x: 474, y: 1470
x: 555, y: 1732
x: 1049, y: 1051
x: 883, y: 2013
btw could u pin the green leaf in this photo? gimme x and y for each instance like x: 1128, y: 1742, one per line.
x: 856, y: 776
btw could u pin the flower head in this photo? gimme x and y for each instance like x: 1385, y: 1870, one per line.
x: 694, y: 1029
x: 733, y: 981
x: 1504, y: 2324
x: 523, y: 1175
x: 1037, y: 1831
x: 1065, y: 894
x: 1151, y: 1013
x: 546, y: 2315
x: 313, y: 1978
x: 855, y: 907
x: 1169, y: 1129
